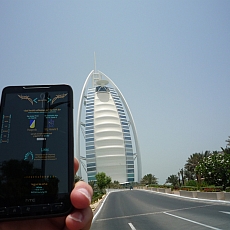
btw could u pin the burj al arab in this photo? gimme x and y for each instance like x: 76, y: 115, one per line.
x: 105, y: 123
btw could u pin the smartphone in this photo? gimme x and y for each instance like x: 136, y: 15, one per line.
x: 36, y: 151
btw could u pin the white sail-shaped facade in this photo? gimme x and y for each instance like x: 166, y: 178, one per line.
x: 108, y: 137
x: 109, y: 131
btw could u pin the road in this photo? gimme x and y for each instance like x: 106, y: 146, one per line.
x: 140, y: 210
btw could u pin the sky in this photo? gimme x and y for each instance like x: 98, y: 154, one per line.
x: 170, y: 59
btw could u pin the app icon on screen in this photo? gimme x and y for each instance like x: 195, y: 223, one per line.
x: 29, y: 156
x: 32, y: 124
x: 50, y: 123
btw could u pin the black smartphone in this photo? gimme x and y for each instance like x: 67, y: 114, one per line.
x: 36, y: 151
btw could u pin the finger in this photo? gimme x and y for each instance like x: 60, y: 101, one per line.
x: 76, y: 165
x: 79, y: 219
x: 81, y: 195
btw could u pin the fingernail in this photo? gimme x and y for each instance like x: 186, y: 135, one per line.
x: 77, y: 216
x: 85, y: 193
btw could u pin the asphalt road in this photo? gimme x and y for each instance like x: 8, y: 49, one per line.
x: 140, y: 210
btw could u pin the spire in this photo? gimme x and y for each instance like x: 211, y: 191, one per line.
x: 96, y: 76
x: 95, y: 67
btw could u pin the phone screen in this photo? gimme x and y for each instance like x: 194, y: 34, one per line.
x: 36, y: 150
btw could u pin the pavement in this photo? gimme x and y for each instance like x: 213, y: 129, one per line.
x: 155, y: 210
x: 96, y: 205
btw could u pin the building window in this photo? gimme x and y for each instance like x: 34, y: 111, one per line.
x: 91, y: 178
x: 90, y: 155
x: 89, y: 147
x: 128, y: 142
x: 118, y: 104
x: 89, y: 143
x: 130, y: 175
x: 88, y: 104
x: 89, y: 110
x: 89, y: 124
x: 89, y: 131
x: 90, y: 98
x: 130, y: 166
x: 89, y: 135
x: 102, y: 89
x: 91, y: 169
x: 91, y: 165
x: 89, y: 120
x: 91, y: 173
x: 89, y: 139
x: 88, y: 127
x: 126, y: 133
x: 88, y: 117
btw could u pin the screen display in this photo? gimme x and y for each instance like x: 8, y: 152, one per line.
x: 34, y: 147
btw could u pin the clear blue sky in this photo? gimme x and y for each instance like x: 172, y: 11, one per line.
x: 170, y: 59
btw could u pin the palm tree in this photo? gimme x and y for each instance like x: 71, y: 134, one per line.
x: 182, y: 175
x: 228, y: 141
x: 226, y: 150
x: 192, y: 162
x: 149, y: 179
x: 188, y: 175
x: 172, y: 179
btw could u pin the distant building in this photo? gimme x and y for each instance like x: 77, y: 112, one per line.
x: 111, y: 141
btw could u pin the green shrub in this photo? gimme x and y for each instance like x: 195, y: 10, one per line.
x: 227, y: 189
x: 160, y: 186
x: 176, y: 187
x: 204, y: 184
x: 211, y: 189
x: 96, y: 198
x: 154, y: 185
x: 192, y: 183
x: 189, y: 188
x: 97, y: 195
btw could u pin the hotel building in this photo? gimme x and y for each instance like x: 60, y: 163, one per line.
x: 111, y: 143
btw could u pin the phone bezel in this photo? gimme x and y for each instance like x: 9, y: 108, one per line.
x: 70, y: 176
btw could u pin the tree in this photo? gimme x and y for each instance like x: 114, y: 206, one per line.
x: 228, y: 141
x: 188, y: 175
x: 173, y: 179
x: 181, y: 172
x: 92, y: 183
x: 102, y: 180
x: 216, y: 169
x: 226, y: 150
x: 149, y: 179
x: 193, y: 161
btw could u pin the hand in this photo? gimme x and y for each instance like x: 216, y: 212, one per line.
x: 79, y: 219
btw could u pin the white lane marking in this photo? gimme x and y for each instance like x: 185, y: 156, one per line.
x: 94, y: 217
x: 225, y: 212
x: 192, y: 221
x: 152, y: 213
x: 131, y: 226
